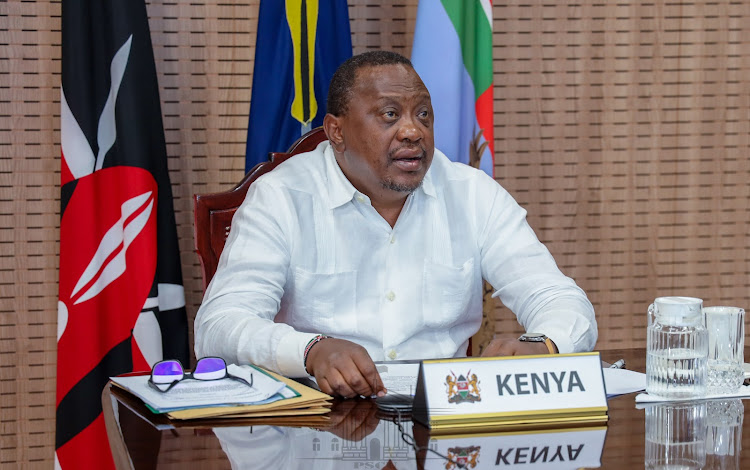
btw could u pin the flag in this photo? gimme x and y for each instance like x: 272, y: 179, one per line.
x: 452, y: 52
x: 300, y: 44
x: 121, y: 301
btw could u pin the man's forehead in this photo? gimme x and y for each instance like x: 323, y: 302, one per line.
x: 382, y: 77
x: 392, y: 79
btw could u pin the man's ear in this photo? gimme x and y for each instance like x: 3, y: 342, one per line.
x: 334, y: 132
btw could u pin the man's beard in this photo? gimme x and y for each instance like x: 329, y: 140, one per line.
x: 401, y: 188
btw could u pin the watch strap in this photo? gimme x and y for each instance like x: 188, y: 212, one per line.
x: 550, y: 346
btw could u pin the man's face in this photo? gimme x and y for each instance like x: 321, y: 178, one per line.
x: 386, y: 142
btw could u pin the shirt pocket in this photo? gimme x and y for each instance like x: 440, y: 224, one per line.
x: 325, y: 303
x: 446, y: 292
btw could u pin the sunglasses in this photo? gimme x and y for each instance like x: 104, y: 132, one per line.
x: 170, y: 373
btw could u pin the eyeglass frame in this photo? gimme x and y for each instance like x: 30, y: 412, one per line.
x: 189, y: 375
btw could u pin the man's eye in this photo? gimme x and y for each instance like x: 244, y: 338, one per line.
x: 389, y: 114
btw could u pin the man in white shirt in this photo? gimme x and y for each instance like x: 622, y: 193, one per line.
x: 376, y: 239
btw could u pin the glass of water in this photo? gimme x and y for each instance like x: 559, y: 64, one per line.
x: 726, y: 347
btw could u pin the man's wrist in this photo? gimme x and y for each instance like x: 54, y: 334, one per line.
x: 540, y: 340
x: 315, y: 340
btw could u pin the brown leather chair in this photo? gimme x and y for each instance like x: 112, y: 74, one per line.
x: 213, y: 212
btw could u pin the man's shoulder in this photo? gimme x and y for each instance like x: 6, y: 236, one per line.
x: 302, y: 173
x: 451, y: 173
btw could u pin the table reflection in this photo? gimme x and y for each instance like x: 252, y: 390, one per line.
x: 724, y: 433
x: 557, y: 449
x: 694, y: 435
x: 360, y: 438
x: 356, y: 437
x: 676, y: 435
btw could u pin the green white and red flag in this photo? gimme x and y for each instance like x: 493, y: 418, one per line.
x: 452, y: 52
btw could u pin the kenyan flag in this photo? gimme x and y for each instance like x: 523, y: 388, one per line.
x: 121, y: 306
x: 452, y: 53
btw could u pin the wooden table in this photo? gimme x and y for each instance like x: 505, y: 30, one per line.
x: 359, y: 437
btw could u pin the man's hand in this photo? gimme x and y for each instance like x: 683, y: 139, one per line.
x: 344, y: 369
x: 510, y: 346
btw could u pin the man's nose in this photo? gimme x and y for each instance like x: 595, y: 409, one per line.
x: 409, y: 130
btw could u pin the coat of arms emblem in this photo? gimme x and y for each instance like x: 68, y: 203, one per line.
x: 462, y: 457
x: 464, y: 388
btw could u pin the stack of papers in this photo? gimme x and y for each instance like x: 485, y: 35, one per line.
x: 270, y: 395
x: 623, y: 381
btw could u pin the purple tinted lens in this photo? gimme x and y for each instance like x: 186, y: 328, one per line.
x: 168, y: 368
x: 208, y: 365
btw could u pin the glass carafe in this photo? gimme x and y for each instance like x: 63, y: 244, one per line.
x: 676, y: 348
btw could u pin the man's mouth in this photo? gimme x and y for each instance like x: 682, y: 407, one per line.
x: 408, y: 159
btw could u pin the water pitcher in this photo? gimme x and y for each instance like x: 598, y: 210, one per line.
x: 676, y: 348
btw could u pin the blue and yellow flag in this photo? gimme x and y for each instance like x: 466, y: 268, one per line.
x: 300, y: 44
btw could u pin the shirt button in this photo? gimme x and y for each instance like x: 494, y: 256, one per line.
x: 393, y: 240
x: 392, y: 354
x: 360, y: 199
x: 390, y: 296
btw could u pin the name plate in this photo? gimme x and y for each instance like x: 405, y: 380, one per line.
x: 516, y: 392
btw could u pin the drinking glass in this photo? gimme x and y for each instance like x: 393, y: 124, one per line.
x: 726, y: 347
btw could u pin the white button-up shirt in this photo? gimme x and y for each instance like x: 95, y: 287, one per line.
x: 308, y: 254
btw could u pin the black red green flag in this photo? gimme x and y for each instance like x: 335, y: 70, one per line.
x: 121, y: 300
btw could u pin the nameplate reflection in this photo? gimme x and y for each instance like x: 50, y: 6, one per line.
x: 558, y: 449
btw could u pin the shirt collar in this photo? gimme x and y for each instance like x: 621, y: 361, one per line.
x: 427, y: 185
x: 341, y: 190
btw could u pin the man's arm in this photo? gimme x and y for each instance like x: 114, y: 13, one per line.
x: 235, y: 320
x: 528, y: 281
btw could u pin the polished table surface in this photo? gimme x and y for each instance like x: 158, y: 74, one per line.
x: 707, y: 434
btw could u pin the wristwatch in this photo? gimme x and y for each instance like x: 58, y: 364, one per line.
x: 538, y: 338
